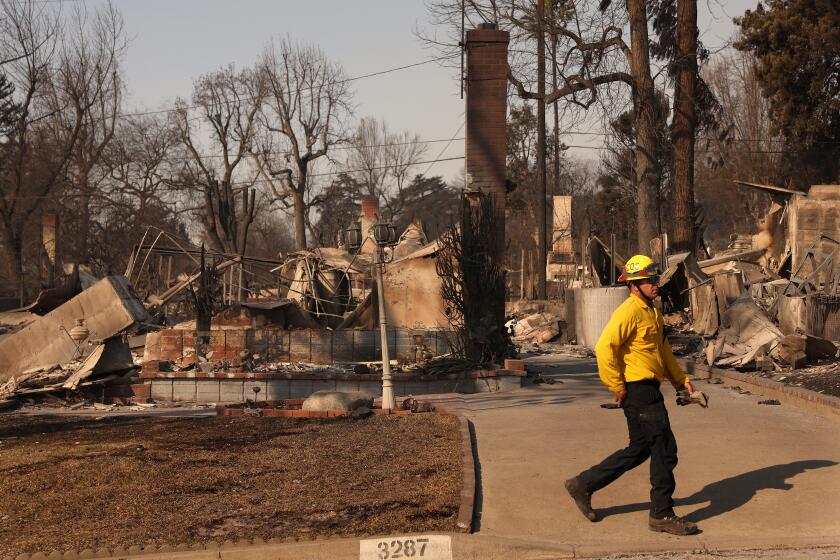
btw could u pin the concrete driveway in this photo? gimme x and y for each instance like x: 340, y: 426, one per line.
x: 752, y: 476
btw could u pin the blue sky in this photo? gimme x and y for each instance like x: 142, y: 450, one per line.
x: 175, y: 41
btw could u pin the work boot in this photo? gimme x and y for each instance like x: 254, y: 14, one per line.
x: 582, y: 498
x: 674, y: 525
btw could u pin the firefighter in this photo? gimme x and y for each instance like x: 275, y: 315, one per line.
x: 634, y: 357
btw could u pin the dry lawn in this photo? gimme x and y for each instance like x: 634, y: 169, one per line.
x: 76, y: 483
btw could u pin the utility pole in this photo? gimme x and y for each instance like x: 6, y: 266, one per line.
x: 542, y: 214
x: 556, y: 162
x: 644, y: 109
x: 684, y: 125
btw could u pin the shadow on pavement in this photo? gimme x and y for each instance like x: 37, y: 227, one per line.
x: 567, y: 367
x: 527, y: 396
x: 477, y: 404
x: 478, y: 504
x: 731, y: 493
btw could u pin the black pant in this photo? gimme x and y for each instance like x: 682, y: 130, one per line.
x: 650, y: 436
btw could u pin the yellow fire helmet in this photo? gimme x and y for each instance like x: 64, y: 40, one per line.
x: 639, y: 267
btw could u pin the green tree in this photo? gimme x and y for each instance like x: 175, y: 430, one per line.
x: 339, y: 207
x: 797, y: 47
x: 9, y: 109
x: 430, y: 200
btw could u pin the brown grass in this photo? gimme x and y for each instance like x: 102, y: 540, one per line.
x: 72, y: 483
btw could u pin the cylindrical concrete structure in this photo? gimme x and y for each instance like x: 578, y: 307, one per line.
x: 593, y: 309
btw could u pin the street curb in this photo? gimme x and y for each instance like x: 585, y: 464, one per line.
x: 468, y: 477
x: 464, y: 546
x: 824, y: 405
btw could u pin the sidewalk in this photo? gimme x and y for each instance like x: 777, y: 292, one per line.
x: 752, y: 476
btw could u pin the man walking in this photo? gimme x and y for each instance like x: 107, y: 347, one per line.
x: 634, y: 357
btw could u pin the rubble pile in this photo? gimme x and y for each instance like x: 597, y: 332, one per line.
x: 770, y: 303
x: 80, y: 343
x: 93, y: 332
x: 13, y: 321
x: 535, y: 321
x: 773, y: 306
x: 252, y: 364
x: 439, y: 365
x: 736, y: 324
x: 436, y: 365
x: 539, y: 327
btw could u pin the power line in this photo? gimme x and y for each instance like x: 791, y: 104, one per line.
x: 705, y: 151
x: 308, y: 88
x: 255, y: 181
x: 705, y: 138
x: 432, y: 162
x: 460, y: 128
x: 379, y: 167
x: 280, y: 153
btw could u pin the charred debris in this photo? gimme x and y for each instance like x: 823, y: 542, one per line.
x: 86, y: 340
x: 770, y: 302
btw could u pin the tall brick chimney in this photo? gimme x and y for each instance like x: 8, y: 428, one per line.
x: 486, y: 113
x: 369, y: 216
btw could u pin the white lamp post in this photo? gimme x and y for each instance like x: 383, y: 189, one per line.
x: 384, y: 235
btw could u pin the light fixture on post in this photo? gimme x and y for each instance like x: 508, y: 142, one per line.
x: 385, y: 235
x: 353, y: 237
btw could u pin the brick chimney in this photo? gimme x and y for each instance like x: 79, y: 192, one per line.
x: 370, y: 216
x: 561, y: 238
x: 486, y: 113
x: 49, y: 239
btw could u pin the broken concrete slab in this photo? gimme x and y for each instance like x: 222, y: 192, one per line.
x: 531, y: 323
x: 539, y: 327
x: 792, y: 351
x: 112, y: 356
x: 790, y: 311
x: 109, y: 307
x: 800, y: 350
x: 412, y: 239
x: 729, y: 287
x: 746, y: 332
x: 546, y: 334
x: 525, y: 307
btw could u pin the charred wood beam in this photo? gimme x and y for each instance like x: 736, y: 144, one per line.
x: 745, y: 256
x: 244, y: 258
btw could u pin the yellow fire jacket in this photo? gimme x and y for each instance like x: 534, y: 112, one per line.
x: 633, y: 347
